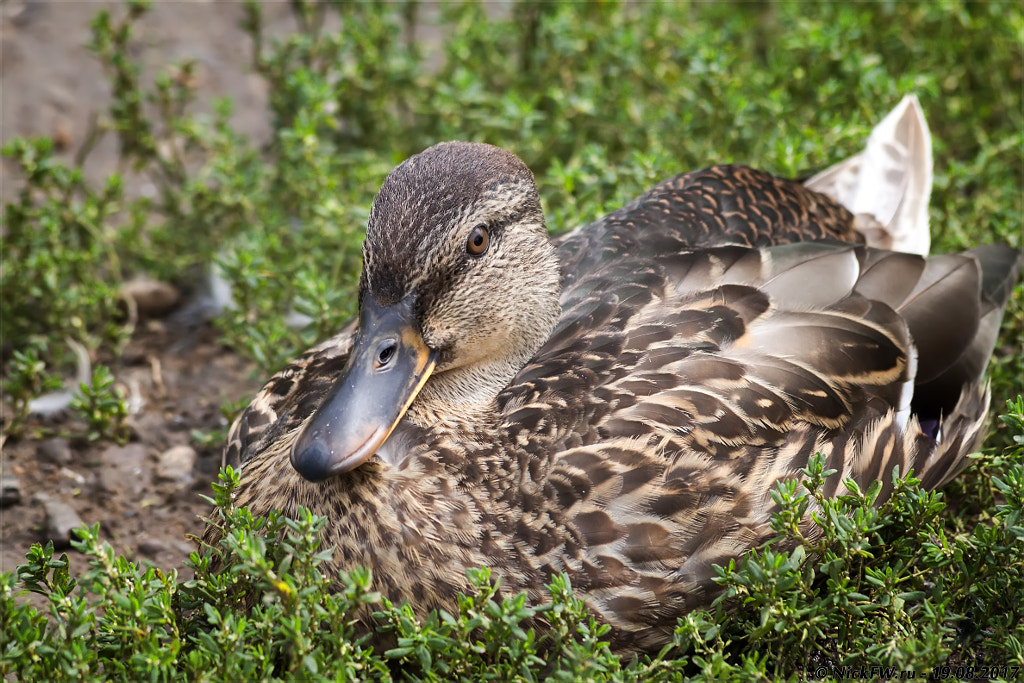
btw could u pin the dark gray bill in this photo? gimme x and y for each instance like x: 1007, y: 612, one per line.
x: 387, y: 367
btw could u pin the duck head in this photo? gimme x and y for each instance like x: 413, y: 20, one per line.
x: 459, y: 289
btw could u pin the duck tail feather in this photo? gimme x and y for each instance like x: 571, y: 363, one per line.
x: 973, y: 289
x: 888, y: 185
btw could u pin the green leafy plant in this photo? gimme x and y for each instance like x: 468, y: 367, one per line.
x: 25, y: 379
x: 58, y: 233
x: 103, y: 406
x: 889, y: 586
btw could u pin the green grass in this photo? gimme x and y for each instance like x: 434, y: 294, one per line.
x: 601, y: 102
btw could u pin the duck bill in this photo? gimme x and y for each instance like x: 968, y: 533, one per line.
x: 388, y: 365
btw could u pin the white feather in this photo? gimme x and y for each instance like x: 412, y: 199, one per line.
x: 888, y: 185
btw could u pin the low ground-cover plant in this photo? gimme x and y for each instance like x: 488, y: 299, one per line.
x: 601, y: 103
x: 889, y: 586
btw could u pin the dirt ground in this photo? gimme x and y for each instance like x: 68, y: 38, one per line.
x: 145, y: 495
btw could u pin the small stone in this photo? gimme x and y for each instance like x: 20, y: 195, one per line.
x: 10, y: 490
x: 61, y: 518
x: 175, y: 465
x: 56, y: 451
x: 152, y: 297
x: 62, y: 134
x: 121, y: 469
x: 60, y: 96
x: 152, y: 547
x: 27, y: 13
x: 183, y: 547
x: 70, y: 474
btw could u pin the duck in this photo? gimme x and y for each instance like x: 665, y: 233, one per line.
x: 618, y: 402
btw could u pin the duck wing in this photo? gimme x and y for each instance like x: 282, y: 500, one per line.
x: 676, y: 391
x: 715, y: 206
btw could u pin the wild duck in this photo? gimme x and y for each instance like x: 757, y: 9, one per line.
x: 615, y: 403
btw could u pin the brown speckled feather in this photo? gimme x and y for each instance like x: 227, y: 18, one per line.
x: 698, y: 359
x: 711, y: 207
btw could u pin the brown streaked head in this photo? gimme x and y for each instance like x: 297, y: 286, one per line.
x: 459, y: 288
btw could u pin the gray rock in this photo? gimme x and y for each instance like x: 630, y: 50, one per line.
x: 121, y: 469
x: 183, y: 547
x: 61, y: 518
x: 71, y: 475
x: 10, y: 490
x: 175, y: 465
x: 56, y: 451
x: 152, y: 297
x: 28, y: 13
x: 152, y: 547
x: 59, y: 95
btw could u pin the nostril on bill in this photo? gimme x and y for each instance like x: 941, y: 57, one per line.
x: 386, y: 353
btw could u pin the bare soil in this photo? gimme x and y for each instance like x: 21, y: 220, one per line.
x: 182, y: 379
x: 177, y: 374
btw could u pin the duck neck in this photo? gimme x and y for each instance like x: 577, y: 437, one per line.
x: 465, y: 395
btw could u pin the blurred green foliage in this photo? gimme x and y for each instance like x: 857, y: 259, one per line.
x: 601, y: 102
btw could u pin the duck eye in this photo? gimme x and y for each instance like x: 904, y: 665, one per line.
x: 478, y: 241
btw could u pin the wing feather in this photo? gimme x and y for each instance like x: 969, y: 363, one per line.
x: 737, y: 365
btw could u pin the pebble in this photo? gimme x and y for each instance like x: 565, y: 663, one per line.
x: 175, y: 465
x: 62, y: 134
x: 10, y: 490
x: 61, y: 518
x: 186, y: 548
x: 121, y: 469
x: 152, y: 547
x: 56, y: 451
x: 60, y: 96
x: 28, y: 13
x: 152, y: 297
x: 69, y: 473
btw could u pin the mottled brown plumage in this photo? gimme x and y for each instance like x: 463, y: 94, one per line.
x: 616, y: 403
